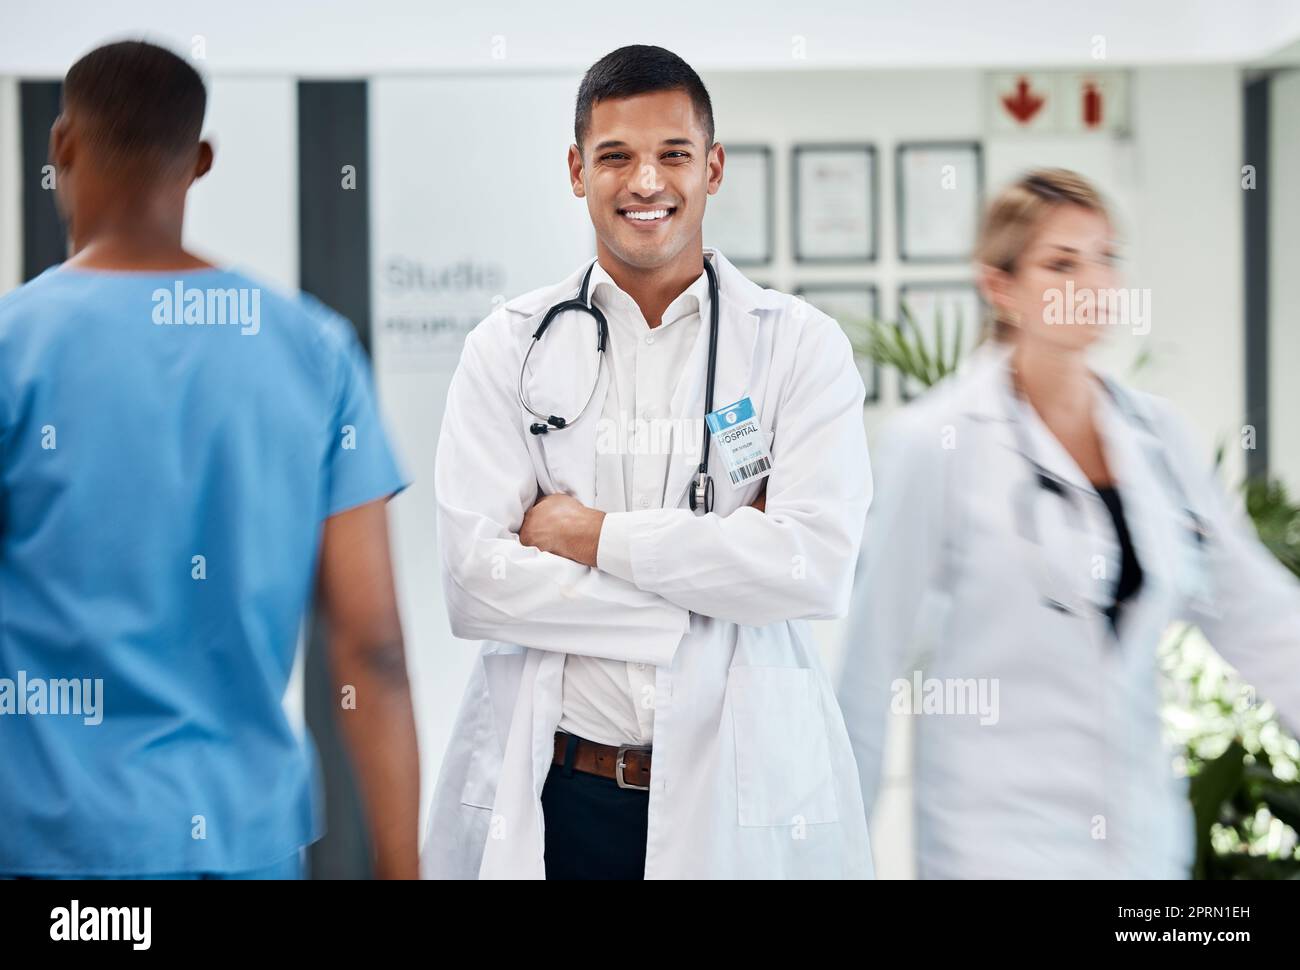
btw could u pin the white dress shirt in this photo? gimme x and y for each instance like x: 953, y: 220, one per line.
x: 612, y: 701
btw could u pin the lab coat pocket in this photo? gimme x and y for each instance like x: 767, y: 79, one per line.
x: 783, y: 764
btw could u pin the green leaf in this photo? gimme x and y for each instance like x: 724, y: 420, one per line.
x: 938, y: 346
x: 1210, y: 787
x: 956, y: 344
x: 1283, y: 801
x: 922, y: 356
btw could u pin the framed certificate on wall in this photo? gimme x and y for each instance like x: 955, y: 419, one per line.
x: 939, y: 192
x: 935, y: 307
x: 851, y: 305
x: 834, y: 192
x: 739, y: 219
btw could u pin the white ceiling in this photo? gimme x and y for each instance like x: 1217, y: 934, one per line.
x: 353, y: 37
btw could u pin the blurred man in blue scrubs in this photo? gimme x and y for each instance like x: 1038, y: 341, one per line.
x: 184, y: 454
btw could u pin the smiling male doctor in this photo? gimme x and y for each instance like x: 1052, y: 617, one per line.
x: 649, y: 700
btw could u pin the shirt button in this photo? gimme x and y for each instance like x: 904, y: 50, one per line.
x: 640, y: 666
x: 642, y: 501
x: 650, y: 339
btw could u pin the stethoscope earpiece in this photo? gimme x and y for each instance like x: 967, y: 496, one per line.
x: 554, y: 421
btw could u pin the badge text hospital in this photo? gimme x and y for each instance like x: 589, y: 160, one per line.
x: 743, y: 447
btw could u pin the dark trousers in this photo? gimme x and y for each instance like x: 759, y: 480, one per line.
x: 594, y: 829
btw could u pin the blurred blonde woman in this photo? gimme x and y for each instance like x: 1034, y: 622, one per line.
x: 1036, y: 527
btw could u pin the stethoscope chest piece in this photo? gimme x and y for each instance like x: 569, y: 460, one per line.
x: 701, y: 497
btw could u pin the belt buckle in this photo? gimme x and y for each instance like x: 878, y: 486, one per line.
x: 619, y: 764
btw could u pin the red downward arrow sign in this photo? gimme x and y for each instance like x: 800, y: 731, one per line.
x: 1022, y: 104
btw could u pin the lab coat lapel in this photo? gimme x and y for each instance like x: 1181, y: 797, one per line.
x: 737, y: 332
x: 1045, y: 448
x: 1043, y: 523
x: 994, y: 399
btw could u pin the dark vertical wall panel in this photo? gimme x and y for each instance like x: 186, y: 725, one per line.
x: 334, y: 222
x: 1256, y: 271
x: 334, y: 261
x: 44, y: 242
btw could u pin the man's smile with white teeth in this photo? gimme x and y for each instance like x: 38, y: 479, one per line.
x: 648, y: 215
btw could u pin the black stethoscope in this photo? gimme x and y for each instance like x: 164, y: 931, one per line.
x: 701, y: 493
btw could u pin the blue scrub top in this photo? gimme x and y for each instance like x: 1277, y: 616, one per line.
x: 170, y: 444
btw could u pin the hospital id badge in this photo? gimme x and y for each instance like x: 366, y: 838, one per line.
x: 740, y: 441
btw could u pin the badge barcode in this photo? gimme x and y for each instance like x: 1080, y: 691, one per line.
x: 750, y: 470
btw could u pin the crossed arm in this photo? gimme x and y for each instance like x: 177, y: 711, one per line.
x: 563, y: 526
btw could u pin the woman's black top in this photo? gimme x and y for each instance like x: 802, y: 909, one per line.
x: 1130, y: 570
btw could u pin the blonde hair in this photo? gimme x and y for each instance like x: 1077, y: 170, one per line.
x: 1015, y: 215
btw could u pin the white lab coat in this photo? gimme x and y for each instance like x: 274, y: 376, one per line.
x: 1073, y: 780
x: 753, y: 774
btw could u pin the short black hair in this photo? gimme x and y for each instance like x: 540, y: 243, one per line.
x: 141, y: 102
x: 640, y: 69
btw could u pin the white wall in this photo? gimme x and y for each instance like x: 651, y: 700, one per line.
x: 331, y: 38
x: 11, y: 223
x: 1284, y: 296
x: 1188, y: 231
x: 245, y: 211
